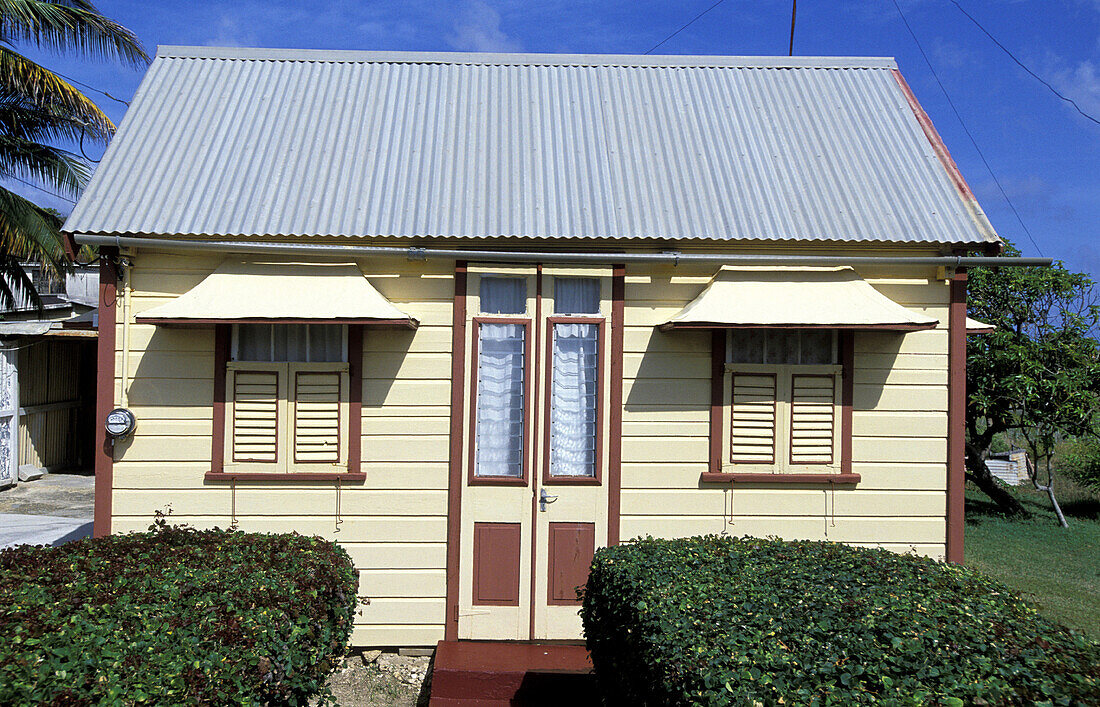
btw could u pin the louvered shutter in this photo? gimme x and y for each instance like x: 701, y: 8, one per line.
x: 752, y: 418
x: 316, y: 429
x: 812, y: 418
x: 255, y: 436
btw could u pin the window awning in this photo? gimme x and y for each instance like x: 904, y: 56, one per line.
x: 794, y: 297
x: 973, y: 326
x: 291, y: 293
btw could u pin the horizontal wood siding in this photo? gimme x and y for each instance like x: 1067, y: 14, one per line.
x: 394, y: 525
x: 899, y: 427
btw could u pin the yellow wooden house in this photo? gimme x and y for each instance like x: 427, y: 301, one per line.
x: 476, y: 315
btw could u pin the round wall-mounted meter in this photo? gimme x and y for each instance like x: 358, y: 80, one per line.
x: 120, y: 423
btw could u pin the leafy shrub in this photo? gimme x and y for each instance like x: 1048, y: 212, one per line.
x: 715, y: 620
x: 1080, y: 460
x: 174, y: 616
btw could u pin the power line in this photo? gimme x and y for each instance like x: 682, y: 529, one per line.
x: 91, y: 88
x: 965, y: 129
x: 1019, y: 63
x: 44, y: 191
x: 689, y: 24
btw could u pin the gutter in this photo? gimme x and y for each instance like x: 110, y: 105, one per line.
x: 673, y: 257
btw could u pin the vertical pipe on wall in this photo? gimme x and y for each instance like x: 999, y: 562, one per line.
x: 956, y: 416
x: 124, y: 383
x: 105, y: 392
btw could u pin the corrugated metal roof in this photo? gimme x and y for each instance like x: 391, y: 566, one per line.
x: 247, y: 142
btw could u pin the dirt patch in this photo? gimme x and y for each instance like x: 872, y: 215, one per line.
x: 375, y: 679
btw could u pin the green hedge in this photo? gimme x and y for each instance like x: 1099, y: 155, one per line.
x: 174, y: 616
x: 716, y: 620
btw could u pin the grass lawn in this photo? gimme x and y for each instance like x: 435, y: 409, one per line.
x: 1058, y: 568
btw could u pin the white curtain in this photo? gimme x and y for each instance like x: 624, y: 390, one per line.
x: 573, y: 400
x: 290, y: 342
x: 503, y: 295
x: 576, y: 295
x: 500, y: 399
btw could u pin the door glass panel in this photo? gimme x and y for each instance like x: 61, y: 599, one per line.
x: 573, y: 400
x: 503, y: 295
x: 500, y: 399
x: 576, y: 295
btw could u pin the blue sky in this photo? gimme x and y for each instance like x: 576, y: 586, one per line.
x: 1046, y: 156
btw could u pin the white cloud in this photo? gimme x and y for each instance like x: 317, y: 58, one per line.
x: 231, y: 33
x: 478, y: 29
x: 1080, y: 83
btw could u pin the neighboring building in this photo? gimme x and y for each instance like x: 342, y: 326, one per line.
x: 474, y: 315
x: 1010, y: 467
x: 47, y: 376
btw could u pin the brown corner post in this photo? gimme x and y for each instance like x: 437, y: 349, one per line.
x: 956, y: 416
x: 355, y: 398
x: 222, y: 337
x: 105, y: 392
x: 717, y: 376
x: 615, y: 405
x: 454, y: 475
x: 847, y: 396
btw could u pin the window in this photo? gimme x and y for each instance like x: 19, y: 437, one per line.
x: 782, y: 393
x: 287, y: 398
x: 500, y: 430
x: 574, y: 378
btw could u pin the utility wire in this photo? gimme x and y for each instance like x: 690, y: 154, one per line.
x: 44, y: 191
x: 91, y: 88
x: 689, y: 24
x: 1019, y: 63
x: 965, y: 129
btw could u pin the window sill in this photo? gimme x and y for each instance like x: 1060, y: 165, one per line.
x: 712, y: 477
x: 497, y: 481
x: 354, y: 477
x: 570, y: 481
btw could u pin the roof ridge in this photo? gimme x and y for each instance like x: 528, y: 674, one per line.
x: 522, y: 59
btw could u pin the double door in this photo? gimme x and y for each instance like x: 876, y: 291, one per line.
x: 534, y: 502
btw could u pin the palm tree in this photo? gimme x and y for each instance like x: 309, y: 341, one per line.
x: 38, y: 109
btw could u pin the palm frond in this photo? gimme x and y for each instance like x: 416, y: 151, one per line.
x: 65, y: 25
x: 35, y: 87
x: 29, y: 122
x: 54, y: 167
x: 30, y: 232
x: 16, y: 286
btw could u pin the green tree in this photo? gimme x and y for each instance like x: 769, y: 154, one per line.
x: 1037, y: 374
x: 38, y: 110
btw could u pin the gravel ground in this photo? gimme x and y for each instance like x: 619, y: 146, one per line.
x: 60, y: 495
x: 375, y: 679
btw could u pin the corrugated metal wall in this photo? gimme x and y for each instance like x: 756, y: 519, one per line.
x: 56, y: 392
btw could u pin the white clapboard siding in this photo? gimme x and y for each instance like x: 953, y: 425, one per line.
x: 812, y: 418
x: 752, y: 420
x: 317, y: 416
x: 255, y: 416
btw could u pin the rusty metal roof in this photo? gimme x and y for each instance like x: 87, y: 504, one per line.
x: 247, y: 143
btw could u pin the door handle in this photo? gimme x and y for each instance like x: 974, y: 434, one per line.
x: 545, y: 498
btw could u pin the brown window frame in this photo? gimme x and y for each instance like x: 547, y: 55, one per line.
x: 549, y: 479
x: 472, y: 478
x: 715, y: 472
x: 222, y: 343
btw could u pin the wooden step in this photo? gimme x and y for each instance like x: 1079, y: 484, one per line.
x: 490, y: 673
